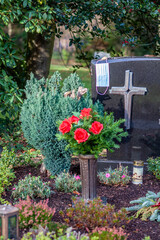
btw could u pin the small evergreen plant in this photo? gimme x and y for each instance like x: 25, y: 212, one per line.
x: 118, y: 176
x: 154, y: 166
x: 44, y: 105
x: 65, y: 182
x: 148, y: 207
x: 32, y: 187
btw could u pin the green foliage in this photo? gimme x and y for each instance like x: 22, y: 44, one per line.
x: 110, y: 234
x: 148, y: 207
x: 11, y: 159
x: 91, y: 141
x: 65, y: 182
x: 147, y: 238
x: 56, y: 226
x: 94, y: 213
x: 118, y: 176
x: 68, y: 235
x: 11, y: 102
x: 44, y: 105
x: 32, y: 214
x: 6, y: 177
x: 154, y: 166
x: 32, y: 187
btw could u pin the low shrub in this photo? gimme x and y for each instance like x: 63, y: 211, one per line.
x: 118, y: 176
x: 94, y: 214
x: 65, y: 182
x: 55, y: 226
x: 32, y: 187
x: 154, y: 166
x: 69, y: 235
x: 10, y: 158
x: 32, y: 214
x: 110, y: 234
x: 6, y: 177
x: 148, y: 207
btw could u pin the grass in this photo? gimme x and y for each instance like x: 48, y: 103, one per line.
x: 83, y: 73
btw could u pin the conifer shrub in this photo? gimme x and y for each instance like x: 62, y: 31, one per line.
x: 44, y: 105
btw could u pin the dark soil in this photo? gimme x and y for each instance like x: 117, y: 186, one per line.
x: 120, y: 196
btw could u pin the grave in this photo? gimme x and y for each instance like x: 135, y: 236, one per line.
x: 134, y: 94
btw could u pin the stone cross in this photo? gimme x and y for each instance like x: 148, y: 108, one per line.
x: 128, y: 91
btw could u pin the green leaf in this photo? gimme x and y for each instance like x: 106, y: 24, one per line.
x: 25, y: 3
x: 44, y: 16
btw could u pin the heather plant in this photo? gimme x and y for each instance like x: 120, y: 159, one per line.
x: 118, y: 176
x: 31, y: 186
x: 66, y: 182
x: 154, y: 166
x: 110, y: 234
x: 10, y: 158
x: 44, y: 105
x: 148, y: 207
x: 32, y: 214
x: 94, y: 213
x: 6, y: 177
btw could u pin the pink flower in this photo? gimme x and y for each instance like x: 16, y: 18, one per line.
x: 123, y: 176
x: 107, y: 175
x: 77, y: 177
x: 29, y: 173
x: 13, y: 188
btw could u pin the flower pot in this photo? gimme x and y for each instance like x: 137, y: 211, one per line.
x: 88, y: 170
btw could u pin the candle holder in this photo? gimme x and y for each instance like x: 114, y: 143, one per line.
x: 9, y: 222
x: 137, y: 177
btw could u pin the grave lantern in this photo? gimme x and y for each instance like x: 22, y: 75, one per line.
x: 137, y: 177
x: 9, y: 222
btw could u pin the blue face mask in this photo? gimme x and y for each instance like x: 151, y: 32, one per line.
x: 102, y: 75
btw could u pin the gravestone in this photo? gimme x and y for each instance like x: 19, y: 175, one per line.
x: 133, y: 94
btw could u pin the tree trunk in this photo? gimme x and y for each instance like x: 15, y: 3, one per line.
x: 39, y: 54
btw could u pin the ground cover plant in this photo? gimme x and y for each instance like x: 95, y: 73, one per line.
x: 66, y: 182
x: 31, y: 186
x: 118, y: 176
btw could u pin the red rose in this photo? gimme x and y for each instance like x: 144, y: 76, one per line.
x: 96, y: 127
x: 65, y: 126
x: 81, y: 135
x: 85, y: 113
x: 73, y: 119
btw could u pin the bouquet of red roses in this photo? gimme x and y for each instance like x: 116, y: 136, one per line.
x: 88, y: 132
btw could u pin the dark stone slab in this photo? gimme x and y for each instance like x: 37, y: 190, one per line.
x: 144, y: 131
x: 104, y: 164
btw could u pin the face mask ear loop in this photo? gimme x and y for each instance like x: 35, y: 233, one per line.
x: 96, y: 84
